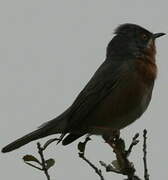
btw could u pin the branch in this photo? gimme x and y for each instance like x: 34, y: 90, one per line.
x: 146, y: 175
x: 43, y: 162
x: 121, y: 165
x: 81, y: 148
x: 134, y: 143
x: 97, y: 171
x: 109, y: 168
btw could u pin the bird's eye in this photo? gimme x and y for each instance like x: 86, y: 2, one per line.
x: 144, y: 37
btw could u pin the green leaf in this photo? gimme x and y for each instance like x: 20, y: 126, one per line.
x: 49, y: 163
x: 81, y: 146
x: 116, y: 164
x: 31, y: 158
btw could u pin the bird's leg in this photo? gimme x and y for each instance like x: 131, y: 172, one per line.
x: 110, y: 135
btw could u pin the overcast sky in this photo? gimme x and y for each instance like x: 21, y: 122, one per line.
x: 48, y: 52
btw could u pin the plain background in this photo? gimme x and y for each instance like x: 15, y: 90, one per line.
x: 48, y: 52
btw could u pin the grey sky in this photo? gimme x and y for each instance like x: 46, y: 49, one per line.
x: 48, y: 52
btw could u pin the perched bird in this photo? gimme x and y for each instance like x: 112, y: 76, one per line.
x: 118, y: 93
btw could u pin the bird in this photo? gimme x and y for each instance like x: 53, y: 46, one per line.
x: 117, y: 95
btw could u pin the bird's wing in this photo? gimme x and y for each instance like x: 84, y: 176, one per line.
x: 101, y: 84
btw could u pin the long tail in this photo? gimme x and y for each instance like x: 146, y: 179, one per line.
x: 54, y: 126
x: 37, y: 134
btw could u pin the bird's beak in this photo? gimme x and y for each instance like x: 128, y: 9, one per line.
x: 156, y: 35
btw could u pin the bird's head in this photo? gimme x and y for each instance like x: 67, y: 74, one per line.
x: 133, y: 39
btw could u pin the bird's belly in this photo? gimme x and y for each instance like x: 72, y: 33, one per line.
x: 129, y: 117
x: 122, y: 107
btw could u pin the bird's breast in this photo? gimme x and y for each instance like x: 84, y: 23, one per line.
x: 126, y: 103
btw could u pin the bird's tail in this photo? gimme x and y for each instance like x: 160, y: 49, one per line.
x: 37, y: 134
x: 54, y: 126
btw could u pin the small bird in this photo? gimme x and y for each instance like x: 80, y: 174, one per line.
x: 118, y: 93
